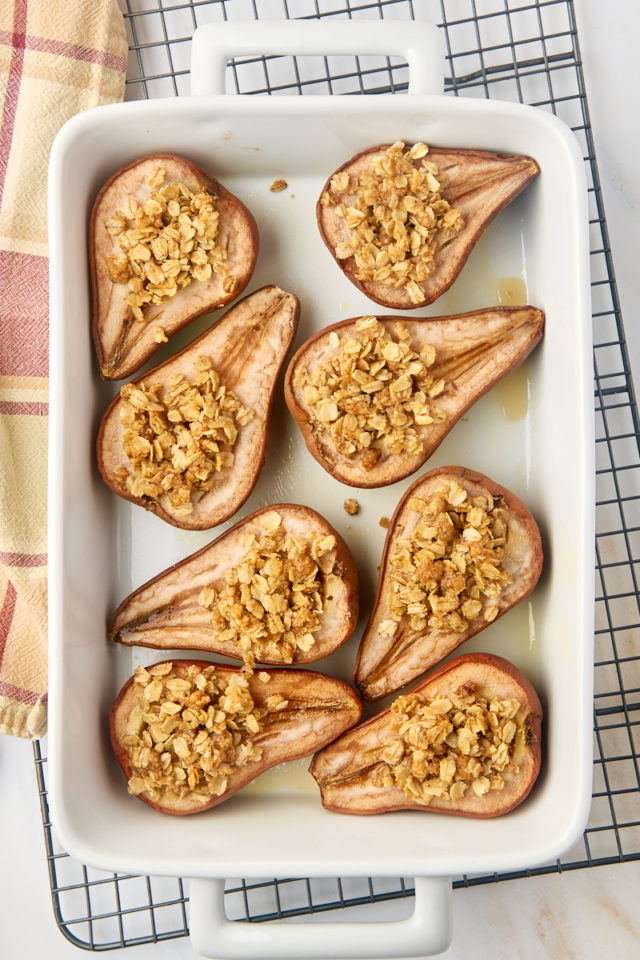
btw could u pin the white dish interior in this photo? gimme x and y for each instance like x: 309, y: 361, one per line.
x: 533, y: 433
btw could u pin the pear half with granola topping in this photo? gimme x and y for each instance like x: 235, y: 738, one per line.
x: 465, y: 741
x: 375, y: 396
x: 167, y: 243
x: 187, y: 440
x: 401, y: 220
x: 279, y: 587
x: 189, y: 734
x: 460, y: 551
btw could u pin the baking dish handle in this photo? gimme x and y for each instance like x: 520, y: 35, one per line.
x: 419, y: 44
x: 427, y: 931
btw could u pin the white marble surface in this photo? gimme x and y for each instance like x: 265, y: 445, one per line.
x: 584, y: 914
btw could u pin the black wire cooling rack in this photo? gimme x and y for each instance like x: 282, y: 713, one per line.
x: 511, y: 50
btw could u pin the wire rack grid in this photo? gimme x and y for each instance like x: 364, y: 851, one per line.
x: 517, y: 50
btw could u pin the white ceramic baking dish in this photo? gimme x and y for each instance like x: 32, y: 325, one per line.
x: 532, y: 433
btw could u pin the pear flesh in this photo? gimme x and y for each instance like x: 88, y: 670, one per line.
x: 479, y: 184
x: 345, y: 770
x: 319, y: 709
x: 473, y: 352
x: 387, y: 663
x: 165, y: 613
x: 122, y: 343
x: 247, y: 347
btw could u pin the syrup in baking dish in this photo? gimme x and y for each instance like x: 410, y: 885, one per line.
x: 512, y: 393
x: 521, y: 627
x: 514, y: 636
x: 292, y: 777
x: 512, y: 292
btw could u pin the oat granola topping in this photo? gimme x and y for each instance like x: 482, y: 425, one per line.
x: 278, y: 186
x: 373, y: 393
x: 443, y: 746
x: 166, y: 242
x: 351, y: 506
x: 177, y: 439
x: 195, y: 728
x: 397, y: 217
x: 272, y: 602
x: 449, y: 571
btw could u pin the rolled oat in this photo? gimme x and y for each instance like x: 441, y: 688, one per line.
x: 197, y: 725
x: 397, y: 217
x: 271, y: 604
x: 179, y: 438
x: 443, y: 747
x: 372, y: 394
x: 166, y: 242
x: 449, y: 571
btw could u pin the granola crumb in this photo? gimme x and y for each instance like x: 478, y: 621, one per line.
x: 166, y: 242
x: 159, y: 335
x: 373, y: 392
x: 351, y: 506
x: 195, y: 727
x: 396, y: 217
x: 278, y: 185
x: 384, y: 522
x: 177, y: 439
x: 448, y: 570
x: 271, y: 604
x: 445, y: 746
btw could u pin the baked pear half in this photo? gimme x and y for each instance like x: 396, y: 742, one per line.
x: 188, y: 439
x: 280, y: 587
x: 167, y: 243
x: 401, y: 220
x: 465, y: 741
x: 375, y: 396
x: 460, y: 551
x: 189, y: 734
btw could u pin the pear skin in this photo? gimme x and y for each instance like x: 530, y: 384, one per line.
x: 123, y: 344
x: 479, y: 184
x: 387, y: 663
x: 473, y: 352
x: 345, y: 770
x: 319, y: 708
x: 247, y: 347
x: 165, y: 612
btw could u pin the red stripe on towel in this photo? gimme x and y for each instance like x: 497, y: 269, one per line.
x: 23, y: 408
x: 24, y: 315
x: 6, y: 616
x: 13, y: 87
x: 21, y: 695
x: 73, y: 51
x: 23, y: 559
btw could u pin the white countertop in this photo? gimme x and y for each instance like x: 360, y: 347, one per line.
x: 581, y: 914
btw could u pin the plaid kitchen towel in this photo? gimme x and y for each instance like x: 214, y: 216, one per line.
x: 57, y: 57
